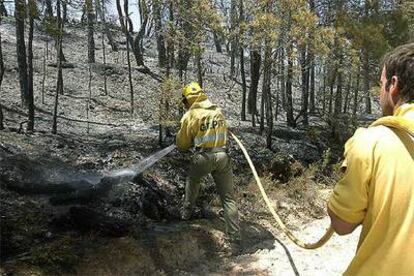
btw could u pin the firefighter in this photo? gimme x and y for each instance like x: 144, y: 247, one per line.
x: 204, y: 129
x: 377, y: 189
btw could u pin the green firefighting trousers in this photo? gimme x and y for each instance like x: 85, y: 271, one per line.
x: 220, y: 167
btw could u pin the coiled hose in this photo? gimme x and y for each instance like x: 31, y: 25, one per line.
x: 288, y: 233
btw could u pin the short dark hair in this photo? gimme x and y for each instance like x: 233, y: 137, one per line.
x: 400, y: 63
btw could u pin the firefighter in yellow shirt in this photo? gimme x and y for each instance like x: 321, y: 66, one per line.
x: 204, y: 128
x: 377, y: 189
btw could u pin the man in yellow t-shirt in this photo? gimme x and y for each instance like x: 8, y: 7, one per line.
x: 377, y: 189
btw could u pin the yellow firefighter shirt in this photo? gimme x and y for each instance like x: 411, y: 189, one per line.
x: 203, y: 126
x: 377, y: 190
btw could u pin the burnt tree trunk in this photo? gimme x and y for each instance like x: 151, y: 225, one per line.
x: 91, y: 40
x: 217, y: 42
x: 1, y: 79
x: 131, y: 88
x: 59, y: 84
x: 356, y: 92
x: 311, y: 67
x: 262, y: 109
x: 347, y: 93
x: 244, y: 86
x: 104, y: 62
x: 289, y: 98
x: 64, y: 12
x: 127, y: 28
x: 331, y: 88
x: 338, y: 96
x: 88, y: 103
x: 233, y: 37
x: 183, y: 46
x: 3, y: 11
x: 312, y: 84
x: 325, y: 73
x: 49, y: 9
x: 305, y: 85
x: 242, y: 70
x: 137, y: 47
x: 162, y: 57
x: 255, y: 60
x: 366, y: 83
x: 199, y: 66
x: 170, y: 39
x: 44, y: 71
x: 20, y: 13
x: 30, y: 102
x: 101, y: 11
x: 267, y: 96
x: 282, y: 77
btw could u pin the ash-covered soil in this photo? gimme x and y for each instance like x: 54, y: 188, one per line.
x: 54, y: 220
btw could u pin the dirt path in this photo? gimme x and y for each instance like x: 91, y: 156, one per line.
x: 288, y: 259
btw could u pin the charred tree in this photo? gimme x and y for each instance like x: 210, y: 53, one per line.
x: 347, y: 93
x: 331, y: 88
x: 244, y: 86
x: 183, y: 44
x: 104, y: 62
x: 312, y: 84
x: 199, y: 66
x: 91, y: 40
x: 233, y: 36
x: 20, y: 12
x: 311, y: 67
x: 339, y: 86
x: 127, y: 28
x: 366, y: 83
x: 282, y: 77
x: 88, y: 103
x: 101, y: 11
x: 289, y: 98
x: 323, y: 88
x: 139, y: 38
x: 305, y: 85
x: 1, y: 79
x: 162, y: 56
x: 3, y: 11
x: 217, y: 42
x: 59, y: 84
x: 170, y: 39
x: 65, y: 11
x: 279, y: 84
x: 51, y: 23
x: 356, y: 92
x: 242, y: 70
x: 266, y: 94
x: 44, y: 70
x: 32, y: 14
x: 131, y: 87
x: 255, y: 60
x: 49, y: 9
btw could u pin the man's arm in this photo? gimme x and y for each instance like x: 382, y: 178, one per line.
x: 184, y: 138
x: 340, y: 226
x: 348, y: 203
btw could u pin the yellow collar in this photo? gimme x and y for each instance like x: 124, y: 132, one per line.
x: 403, y: 118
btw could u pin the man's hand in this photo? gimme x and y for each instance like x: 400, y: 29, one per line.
x: 340, y: 226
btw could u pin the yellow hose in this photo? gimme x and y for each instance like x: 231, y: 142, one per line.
x: 298, y: 242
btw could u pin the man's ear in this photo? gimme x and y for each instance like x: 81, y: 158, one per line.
x: 394, y: 87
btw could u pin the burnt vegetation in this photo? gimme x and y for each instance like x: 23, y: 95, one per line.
x: 88, y: 87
